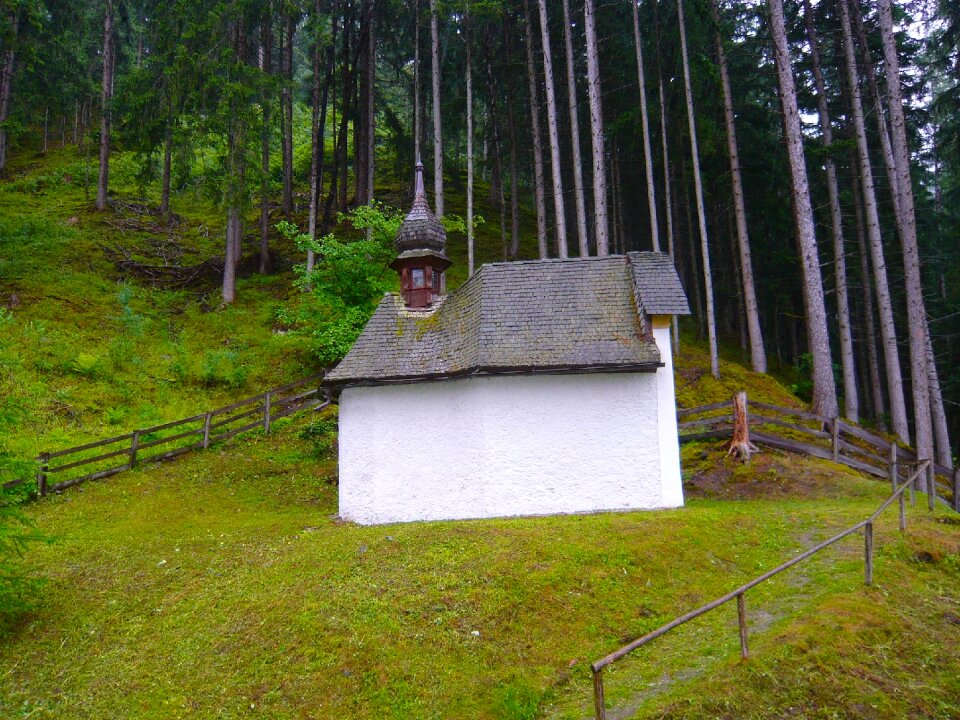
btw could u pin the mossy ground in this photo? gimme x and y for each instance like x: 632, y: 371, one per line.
x: 221, y: 585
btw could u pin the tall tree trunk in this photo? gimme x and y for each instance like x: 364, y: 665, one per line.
x: 417, y: 117
x: 645, y: 128
x: 469, y: 70
x: 6, y: 89
x: 938, y: 413
x: 266, y: 67
x: 667, y: 191
x: 369, y: 108
x: 106, y: 100
x: 698, y: 188
x: 847, y: 359
x: 535, y: 136
x: 869, y: 324
x: 235, y: 177
x: 514, y: 190
x: 916, y: 313
x: 165, y: 178
x: 317, y: 136
x: 898, y: 410
x: 286, y: 105
x: 437, y: 128
x: 596, y: 132
x: 583, y: 236
x: 824, y: 389
x: 558, y: 205
x: 758, y: 357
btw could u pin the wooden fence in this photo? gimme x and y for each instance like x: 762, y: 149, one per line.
x: 828, y: 438
x: 100, y: 459
x: 739, y: 594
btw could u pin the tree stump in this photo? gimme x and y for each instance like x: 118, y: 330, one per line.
x: 740, y: 445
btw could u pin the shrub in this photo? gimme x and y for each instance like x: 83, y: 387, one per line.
x: 223, y: 367
x: 320, y: 433
x: 19, y: 586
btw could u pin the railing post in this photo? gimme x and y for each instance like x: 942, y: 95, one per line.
x: 868, y: 553
x: 134, y: 446
x: 742, y: 620
x: 893, y: 466
x: 599, y: 705
x: 206, y: 430
x: 903, y: 514
x: 42, y: 473
x: 835, y: 439
x: 266, y: 412
x: 956, y: 490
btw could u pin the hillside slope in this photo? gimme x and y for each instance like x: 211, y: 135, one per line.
x: 222, y: 585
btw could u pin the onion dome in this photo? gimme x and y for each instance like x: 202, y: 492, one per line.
x: 421, y: 230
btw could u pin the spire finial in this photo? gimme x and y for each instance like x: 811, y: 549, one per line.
x: 418, y: 191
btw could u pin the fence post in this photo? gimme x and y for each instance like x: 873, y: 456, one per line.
x: 42, y: 473
x: 134, y: 446
x: 599, y: 705
x: 868, y: 553
x: 913, y: 492
x: 893, y: 466
x: 835, y: 439
x: 931, y: 474
x: 903, y: 514
x: 266, y: 412
x: 956, y: 490
x: 742, y: 620
x: 206, y: 430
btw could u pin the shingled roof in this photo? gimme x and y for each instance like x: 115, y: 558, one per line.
x: 577, y: 315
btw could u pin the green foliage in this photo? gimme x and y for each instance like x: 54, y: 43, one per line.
x: 349, y: 277
x: 19, y: 585
x: 321, y: 434
x: 223, y: 367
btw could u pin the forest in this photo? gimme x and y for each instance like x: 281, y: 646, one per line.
x: 799, y: 160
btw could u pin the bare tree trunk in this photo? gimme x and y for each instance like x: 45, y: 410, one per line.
x: 558, y: 205
x: 876, y: 386
x: 916, y: 313
x: 266, y: 66
x: 698, y: 187
x: 937, y: 411
x: 537, y: 141
x: 6, y: 89
x: 596, y: 132
x: 165, y: 179
x: 469, y: 70
x: 286, y: 106
x: 847, y: 359
x: 645, y: 128
x: 417, y: 122
x: 318, y: 128
x: 583, y: 236
x: 437, y: 128
x: 667, y: 190
x: 824, y: 389
x: 369, y: 108
x: 898, y: 410
x: 740, y: 445
x: 46, y: 121
x: 514, y: 193
x: 758, y: 357
x: 106, y: 102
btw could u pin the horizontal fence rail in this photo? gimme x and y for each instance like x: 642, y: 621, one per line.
x: 113, y: 455
x: 835, y: 439
x: 739, y: 593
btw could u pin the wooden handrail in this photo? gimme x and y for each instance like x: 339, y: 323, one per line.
x: 738, y: 594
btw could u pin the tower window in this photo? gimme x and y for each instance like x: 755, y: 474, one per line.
x: 416, y: 278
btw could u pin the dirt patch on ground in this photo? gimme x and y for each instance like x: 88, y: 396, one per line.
x: 708, y: 472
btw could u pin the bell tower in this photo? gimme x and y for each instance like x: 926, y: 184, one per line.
x: 420, y: 245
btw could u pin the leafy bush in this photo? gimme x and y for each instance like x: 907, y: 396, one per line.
x: 321, y: 435
x: 19, y: 587
x: 223, y: 367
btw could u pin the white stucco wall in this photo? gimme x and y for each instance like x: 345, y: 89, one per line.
x: 502, y: 446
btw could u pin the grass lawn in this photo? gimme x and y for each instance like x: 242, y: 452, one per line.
x: 221, y: 586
